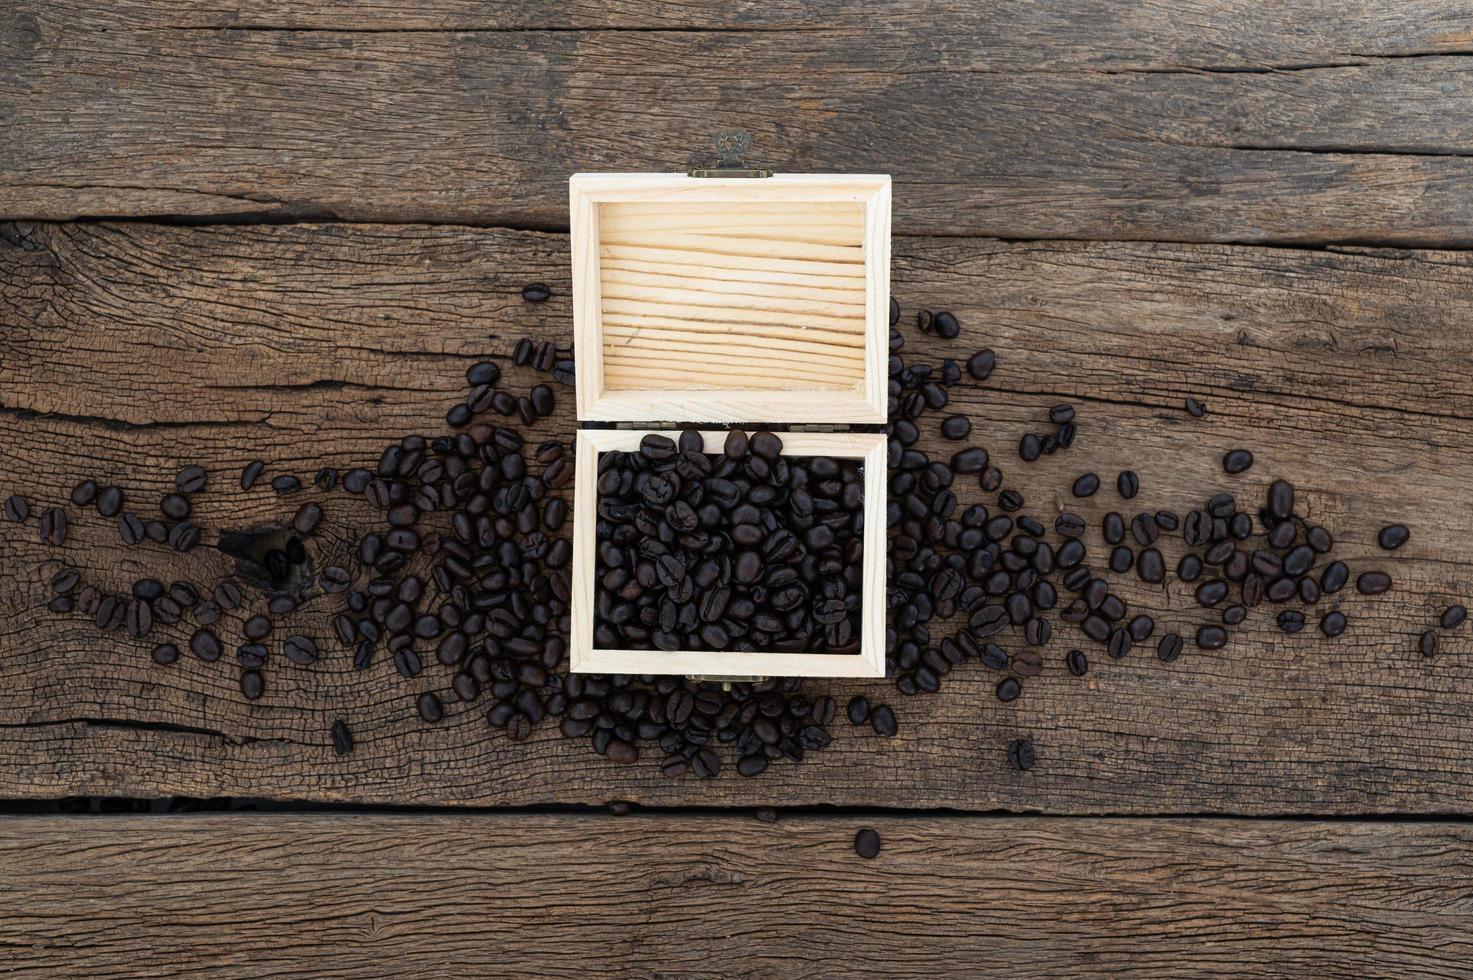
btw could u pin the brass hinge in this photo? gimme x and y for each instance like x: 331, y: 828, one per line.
x: 731, y: 150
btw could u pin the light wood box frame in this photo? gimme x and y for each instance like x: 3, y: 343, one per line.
x: 864, y: 404
x: 868, y: 662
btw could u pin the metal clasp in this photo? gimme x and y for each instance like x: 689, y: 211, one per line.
x: 731, y: 151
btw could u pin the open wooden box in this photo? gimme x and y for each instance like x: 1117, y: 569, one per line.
x: 753, y: 302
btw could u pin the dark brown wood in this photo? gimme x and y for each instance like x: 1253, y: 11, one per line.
x: 127, y: 350
x: 1325, y: 121
x: 431, y: 896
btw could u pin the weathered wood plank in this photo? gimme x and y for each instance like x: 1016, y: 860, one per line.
x: 144, y: 347
x: 525, y: 895
x: 1117, y: 121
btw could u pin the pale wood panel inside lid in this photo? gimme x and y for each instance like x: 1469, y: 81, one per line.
x: 759, y: 300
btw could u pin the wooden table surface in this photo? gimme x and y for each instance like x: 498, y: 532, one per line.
x: 284, y: 231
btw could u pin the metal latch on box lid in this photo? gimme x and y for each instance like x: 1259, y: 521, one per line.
x: 731, y: 150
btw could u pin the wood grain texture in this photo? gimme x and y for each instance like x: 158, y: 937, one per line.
x: 132, y: 348
x: 654, y: 895
x: 1310, y: 121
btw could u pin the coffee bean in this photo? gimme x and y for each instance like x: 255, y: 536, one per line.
x: 1189, y: 569
x: 1333, y: 623
x: 1234, y: 615
x: 1150, y: 566
x: 65, y: 580
x: 1086, y: 485
x: 1069, y: 525
x: 1113, y: 528
x: 1140, y: 628
x: 945, y: 325
x: 1393, y: 536
x: 205, y: 645
x: 251, y: 473
x: 981, y: 364
x: 882, y: 720
x: 109, y: 501
x: 1121, y: 559
x: 1143, y: 528
x: 972, y: 460
x: 165, y: 654
x: 1060, y: 414
x: 139, y: 619
x: 1211, y: 637
x: 1008, y: 689
x: 342, y: 739
x: 536, y: 292
x: 1453, y: 617
x: 175, y: 506
x: 300, y: 650
x: 1029, y: 448
x: 1298, y: 561
x: 1127, y: 484
x: 867, y: 843
x: 1373, y: 583
x: 227, y: 595
x: 17, y: 509
x: 1237, y: 460
x: 1427, y: 643
x: 286, y: 484
x: 207, y: 613
x: 1169, y: 647
x: 1334, y: 577
x: 1021, y: 755
x: 53, y: 526
x: 191, y: 479
x: 1077, y: 663
x: 956, y: 427
x: 308, y: 516
x: 1291, y: 621
x: 857, y: 710
x: 1119, y: 644
x: 1196, y: 408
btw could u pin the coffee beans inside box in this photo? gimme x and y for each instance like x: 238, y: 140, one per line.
x: 748, y: 305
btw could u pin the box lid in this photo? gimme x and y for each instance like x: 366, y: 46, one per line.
x: 731, y: 300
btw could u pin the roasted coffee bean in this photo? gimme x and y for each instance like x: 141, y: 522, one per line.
x: 1237, y: 460
x: 1060, y: 414
x: 1298, y: 561
x: 1169, y: 647
x: 1333, y: 623
x: 1113, y: 528
x: 1291, y: 621
x: 207, y: 613
x: 1121, y: 559
x: 1077, y: 663
x: 1140, y: 628
x: 342, y: 739
x: 1195, y: 408
x: 227, y: 595
x: 882, y: 720
x: 945, y: 325
x: 205, y: 645
x: 867, y: 843
x: 175, y: 506
x: 536, y: 292
x: 1234, y: 615
x: 17, y: 509
x: 1373, y: 583
x: 1086, y: 485
x: 109, y: 501
x: 857, y: 710
x: 1427, y: 643
x: 286, y: 484
x: 1393, y: 536
x: 165, y: 654
x: 1021, y: 754
x: 1211, y: 637
x: 1150, y: 566
x: 190, y: 479
x: 981, y: 364
x: 1334, y: 577
x: 65, y: 580
x: 251, y: 474
x: 183, y: 536
x: 334, y: 578
x: 53, y: 526
x: 308, y: 516
x: 972, y: 460
x: 1189, y: 569
x: 955, y: 427
x: 1127, y: 484
x: 1008, y: 689
x: 1029, y: 448
x: 1069, y: 525
x: 1119, y: 644
x: 139, y: 619
x: 1453, y: 617
x: 1143, y: 528
x: 300, y: 650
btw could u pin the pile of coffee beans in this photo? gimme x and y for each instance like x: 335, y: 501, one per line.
x: 750, y: 549
x: 463, y: 585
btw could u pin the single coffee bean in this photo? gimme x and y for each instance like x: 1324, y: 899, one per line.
x: 972, y: 460
x: 175, y: 506
x: 981, y: 364
x: 1069, y: 525
x: 1453, y: 617
x: 308, y: 516
x: 1291, y: 621
x: 1119, y: 644
x: 17, y: 509
x: 1060, y: 414
x: 867, y: 843
x: 1127, y: 484
x: 1211, y: 637
x: 536, y: 292
x: 1393, y: 536
x: 251, y: 473
x: 1334, y: 577
x: 342, y: 739
x: 53, y: 526
x: 1140, y: 628
x: 1427, y: 643
x: 1234, y: 615
x: 1189, y: 569
x: 1298, y: 561
x: 1029, y: 448
x: 109, y: 501
x: 65, y: 580
x: 205, y: 645
x: 165, y: 654
x: 300, y: 650
x: 1077, y: 663
x: 1021, y: 755
x: 286, y: 484
x: 1372, y: 583
x: 1008, y: 689
x: 882, y: 720
x: 1150, y: 566
x: 1333, y: 623
x: 857, y: 710
x: 139, y: 619
x: 1086, y: 485
x: 946, y: 326
x: 1237, y: 460
x: 1169, y: 647
x: 191, y: 479
x: 84, y: 493
x: 1121, y: 559
x: 956, y: 427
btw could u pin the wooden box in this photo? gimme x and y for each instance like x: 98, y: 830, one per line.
x: 731, y: 302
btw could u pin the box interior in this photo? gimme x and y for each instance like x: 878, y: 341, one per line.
x: 709, y: 296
